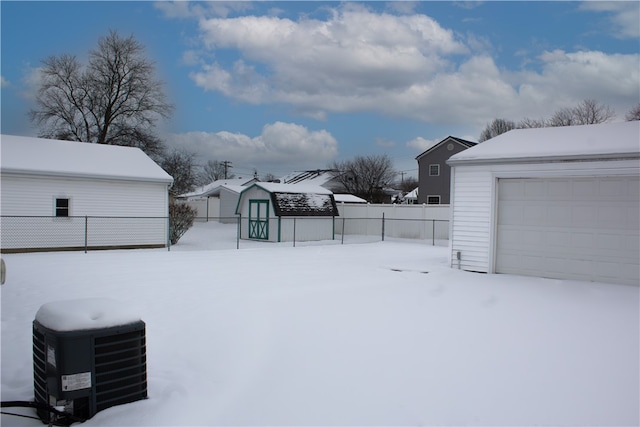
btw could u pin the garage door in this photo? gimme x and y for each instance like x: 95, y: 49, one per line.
x: 570, y: 228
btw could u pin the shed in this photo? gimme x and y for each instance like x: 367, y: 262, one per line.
x: 71, y: 195
x: 286, y: 212
x: 561, y: 202
x: 218, y: 199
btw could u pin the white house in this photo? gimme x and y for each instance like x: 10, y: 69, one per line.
x: 561, y: 202
x: 217, y: 200
x: 286, y: 212
x: 71, y: 195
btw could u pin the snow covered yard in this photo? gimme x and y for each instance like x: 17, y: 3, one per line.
x: 378, y: 333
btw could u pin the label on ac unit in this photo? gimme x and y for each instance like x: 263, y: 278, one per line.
x: 76, y: 381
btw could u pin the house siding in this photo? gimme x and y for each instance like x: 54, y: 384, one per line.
x: 473, y: 207
x: 429, y: 185
x: 35, y: 196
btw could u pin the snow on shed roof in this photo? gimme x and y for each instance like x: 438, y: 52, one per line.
x: 51, y: 157
x: 298, y: 199
x: 607, y: 140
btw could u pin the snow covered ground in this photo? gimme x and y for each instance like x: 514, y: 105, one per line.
x: 374, y: 333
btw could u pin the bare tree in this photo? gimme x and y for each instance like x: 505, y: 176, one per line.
x: 633, y: 114
x: 408, y: 184
x: 115, y: 99
x: 527, y: 123
x: 214, y: 170
x: 269, y: 177
x: 366, y: 177
x: 495, y: 128
x: 181, y: 166
x: 588, y: 112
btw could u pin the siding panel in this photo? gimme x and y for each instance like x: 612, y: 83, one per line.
x: 471, y: 214
x: 35, y: 196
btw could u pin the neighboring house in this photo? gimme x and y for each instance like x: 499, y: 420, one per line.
x: 218, y: 199
x: 411, y: 198
x: 560, y: 202
x: 286, y: 212
x: 71, y: 195
x: 434, y: 175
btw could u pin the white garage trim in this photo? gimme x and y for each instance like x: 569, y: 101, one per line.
x: 583, y: 228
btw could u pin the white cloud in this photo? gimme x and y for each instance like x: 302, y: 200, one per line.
x: 624, y: 16
x: 187, y: 9
x: 31, y: 82
x: 422, y: 144
x: 404, y: 66
x: 4, y: 82
x: 280, y: 147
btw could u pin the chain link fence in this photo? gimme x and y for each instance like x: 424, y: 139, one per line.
x: 47, y: 233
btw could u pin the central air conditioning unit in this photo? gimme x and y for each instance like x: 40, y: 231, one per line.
x: 88, y: 355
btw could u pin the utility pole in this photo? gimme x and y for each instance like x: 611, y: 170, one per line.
x: 402, y: 177
x: 227, y: 165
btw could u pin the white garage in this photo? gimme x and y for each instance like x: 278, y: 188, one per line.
x: 552, y: 202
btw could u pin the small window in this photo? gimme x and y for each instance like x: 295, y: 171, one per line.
x: 62, y: 207
x: 434, y: 170
x: 433, y: 200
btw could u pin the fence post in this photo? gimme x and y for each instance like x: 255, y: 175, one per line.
x: 294, y: 232
x: 239, y: 232
x: 383, y: 226
x: 342, y: 237
x: 169, y: 233
x: 433, y: 232
x: 86, y: 231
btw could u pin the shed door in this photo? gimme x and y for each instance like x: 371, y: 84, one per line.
x: 259, y: 219
x: 570, y: 228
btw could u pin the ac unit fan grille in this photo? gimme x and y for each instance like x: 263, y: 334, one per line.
x: 39, y: 366
x: 120, y: 368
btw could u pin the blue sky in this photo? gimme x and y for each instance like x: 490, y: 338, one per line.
x: 285, y: 86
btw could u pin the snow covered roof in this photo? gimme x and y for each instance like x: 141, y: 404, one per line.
x: 298, y: 199
x: 599, y: 141
x: 412, y: 195
x: 348, y: 198
x: 315, y: 177
x: 50, y: 157
x: 213, y: 188
x: 274, y: 187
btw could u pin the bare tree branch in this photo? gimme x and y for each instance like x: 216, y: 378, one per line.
x: 115, y: 99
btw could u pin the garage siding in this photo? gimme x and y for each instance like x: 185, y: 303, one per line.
x: 471, y: 210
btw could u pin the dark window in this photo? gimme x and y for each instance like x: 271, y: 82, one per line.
x: 62, y: 207
x: 434, y: 170
x: 433, y: 200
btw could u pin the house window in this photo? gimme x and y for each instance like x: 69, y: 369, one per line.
x: 433, y: 200
x: 62, y: 207
x: 434, y: 170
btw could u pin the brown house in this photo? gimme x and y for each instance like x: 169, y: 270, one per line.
x: 434, y: 175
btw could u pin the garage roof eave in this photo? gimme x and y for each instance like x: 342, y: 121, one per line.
x: 544, y: 159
